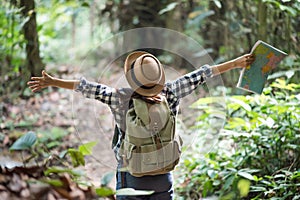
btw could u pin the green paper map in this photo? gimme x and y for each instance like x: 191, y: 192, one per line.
x: 254, y: 77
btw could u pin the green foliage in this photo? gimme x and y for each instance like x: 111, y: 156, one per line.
x: 56, y: 27
x: 104, y: 191
x: 12, y: 55
x: 25, y: 142
x: 258, y: 152
x: 106, y: 179
x: 11, y: 24
x: 133, y: 192
x: 52, y: 138
x: 61, y: 170
x: 54, y: 182
x: 292, y: 8
x: 77, y: 155
x: 86, y: 149
x: 168, y: 8
x: 53, y: 173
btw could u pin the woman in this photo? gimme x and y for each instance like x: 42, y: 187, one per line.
x: 146, y: 78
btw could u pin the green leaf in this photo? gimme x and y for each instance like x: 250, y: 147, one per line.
x: 106, y: 179
x: 218, y: 4
x: 228, y: 182
x: 58, y: 133
x: 198, y: 15
x: 237, y: 100
x: 24, y: 142
x: 86, y: 149
x: 229, y: 196
x: 63, y: 154
x: 53, y: 144
x: 55, y: 134
x: 257, y: 189
x: 104, y: 191
x: 85, y: 4
x: 76, y: 157
x: 54, y: 182
x: 244, y: 187
x: 208, y: 100
x: 246, y: 175
x: 133, y: 192
x: 256, y: 178
x: 282, y: 84
x: 168, y: 8
x: 268, y: 122
x: 207, y: 188
x: 58, y: 170
x: 211, y: 173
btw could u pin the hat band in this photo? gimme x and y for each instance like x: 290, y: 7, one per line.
x: 137, y: 81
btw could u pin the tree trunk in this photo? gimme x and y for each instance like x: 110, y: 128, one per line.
x: 216, y: 30
x: 92, y: 19
x: 138, y: 14
x: 73, y: 30
x: 34, y: 62
x: 262, y: 20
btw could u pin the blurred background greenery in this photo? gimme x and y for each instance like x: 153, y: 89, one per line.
x: 35, y: 33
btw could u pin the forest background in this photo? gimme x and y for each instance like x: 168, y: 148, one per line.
x: 263, y: 158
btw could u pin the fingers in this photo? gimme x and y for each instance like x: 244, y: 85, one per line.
x: 35, y: 88
x: 33, y: 82
x: 34, y: 85
x: 244, y: 61
x: 249, y: 58
x: 38, y: 83
x: 44, y: 74
x: 37, y: 78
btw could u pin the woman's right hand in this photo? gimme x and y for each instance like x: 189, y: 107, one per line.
x: 38, y: 83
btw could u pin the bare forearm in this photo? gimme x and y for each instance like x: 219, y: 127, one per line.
x: 240, y: 62
x: 38, y: 83
x: 67, y: 84
x: 223, y: 67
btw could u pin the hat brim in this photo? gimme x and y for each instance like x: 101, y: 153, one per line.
x: 149, y: 92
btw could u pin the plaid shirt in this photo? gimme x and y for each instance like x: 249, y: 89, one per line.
x: 173, y: 91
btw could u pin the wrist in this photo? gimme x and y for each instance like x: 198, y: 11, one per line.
x: 53, y: 81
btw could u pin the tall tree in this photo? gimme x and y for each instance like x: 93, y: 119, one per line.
x: 33, y: 60
x: 262, y: 20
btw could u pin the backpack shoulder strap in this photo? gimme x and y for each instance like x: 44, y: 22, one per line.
x: 156, y: 115
x: 119, y: 131
x: 141, y: 110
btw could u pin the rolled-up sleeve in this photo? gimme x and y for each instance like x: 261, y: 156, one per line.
x: 187, y: 83
x: 101, y: 92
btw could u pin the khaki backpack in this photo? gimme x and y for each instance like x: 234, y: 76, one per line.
x: 150, y: 145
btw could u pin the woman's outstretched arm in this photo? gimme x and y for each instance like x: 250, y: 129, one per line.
x: 240, y: 62
x: 38, y: 83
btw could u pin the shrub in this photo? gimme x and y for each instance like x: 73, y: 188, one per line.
x: 262, y: 157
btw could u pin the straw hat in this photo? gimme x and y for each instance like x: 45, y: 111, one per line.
x: 144, y: 73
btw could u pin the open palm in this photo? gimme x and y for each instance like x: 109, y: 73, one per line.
x: 38, y: 83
